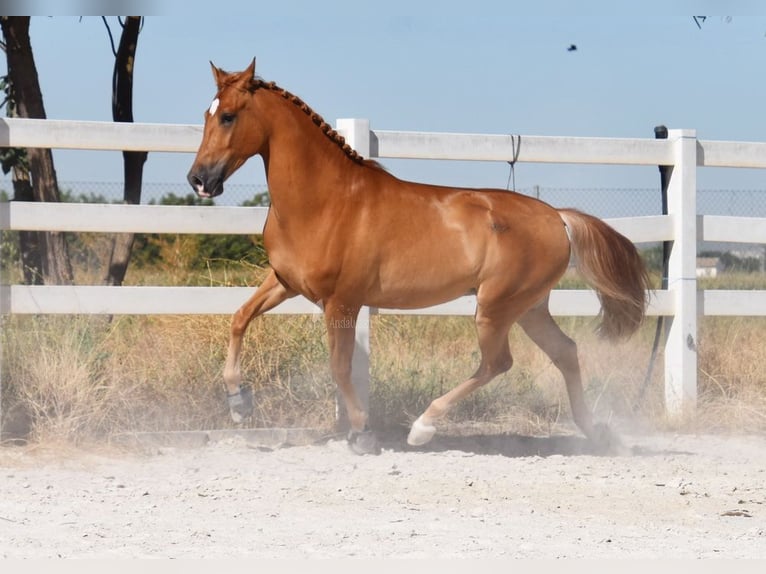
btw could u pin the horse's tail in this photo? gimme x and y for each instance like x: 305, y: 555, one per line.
x: 611, y: 264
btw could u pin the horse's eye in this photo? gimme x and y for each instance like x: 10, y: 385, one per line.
x: 227, y: 119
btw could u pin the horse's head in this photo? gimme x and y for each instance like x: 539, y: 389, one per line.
x: 232, y: 132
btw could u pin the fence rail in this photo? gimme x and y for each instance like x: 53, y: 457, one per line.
x: 681, y: 302
x: 113, y: 218
x: 92, y: 135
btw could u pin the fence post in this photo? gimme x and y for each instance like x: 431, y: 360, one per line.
x: 681, y: 342
x: 357, y: 134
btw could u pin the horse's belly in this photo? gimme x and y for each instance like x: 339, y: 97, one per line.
x: 417, y: 294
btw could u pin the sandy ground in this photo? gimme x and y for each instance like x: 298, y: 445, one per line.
x: 461, y: 496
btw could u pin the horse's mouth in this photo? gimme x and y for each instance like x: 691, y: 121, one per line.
x: 206, y: 187
x: 204, y: 194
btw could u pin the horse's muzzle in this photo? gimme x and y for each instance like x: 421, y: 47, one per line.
x: 206, y: 182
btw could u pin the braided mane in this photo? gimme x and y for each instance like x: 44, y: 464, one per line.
x: 326, y: 128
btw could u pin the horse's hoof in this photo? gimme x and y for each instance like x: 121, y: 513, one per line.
x: 241, y: 404
x: 364, y: 442
x: 420, y: 433
x: 608, y: 442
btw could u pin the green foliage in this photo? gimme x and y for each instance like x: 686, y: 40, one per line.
x: 259, y: 200
x: 69, y: 196
x: 11, y: 157
x: 9, y: 246
x: 201, y: 251
x: 653, y: 258
x: 188, y: 199
x: 182, y: 252
x: 734, y: 264
x: 10, y: 254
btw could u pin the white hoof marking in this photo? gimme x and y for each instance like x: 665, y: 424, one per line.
x: 420, y: 433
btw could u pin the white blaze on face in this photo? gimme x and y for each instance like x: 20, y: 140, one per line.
x: 213, y: 106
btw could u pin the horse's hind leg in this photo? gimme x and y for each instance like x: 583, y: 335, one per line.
x: 492, y: 330
x: 270, y: 294
x: 545, y: 332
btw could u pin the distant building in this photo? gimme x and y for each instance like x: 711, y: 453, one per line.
x: 709, y: 266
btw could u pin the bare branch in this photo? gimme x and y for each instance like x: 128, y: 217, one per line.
x: 111, y: 38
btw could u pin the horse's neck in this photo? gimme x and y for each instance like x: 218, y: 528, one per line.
x: 303, y: 166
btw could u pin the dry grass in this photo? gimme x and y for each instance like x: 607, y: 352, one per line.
x: 732, y: 380
x: 81, y: 379
x: 418, y: 359
x: 85, y: 379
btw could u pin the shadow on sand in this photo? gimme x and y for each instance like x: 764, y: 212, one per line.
x: 470, y: 442
x: 517, y: 446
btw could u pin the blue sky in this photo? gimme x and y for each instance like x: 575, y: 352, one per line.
x: 452, y: 66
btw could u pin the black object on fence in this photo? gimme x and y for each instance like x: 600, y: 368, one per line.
x: 660, y: 133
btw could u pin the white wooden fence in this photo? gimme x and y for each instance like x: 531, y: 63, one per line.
x: 682, y: 302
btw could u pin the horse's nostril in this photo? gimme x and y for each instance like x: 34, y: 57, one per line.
x: 196, y: 182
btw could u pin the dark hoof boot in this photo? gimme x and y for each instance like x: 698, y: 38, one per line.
x: 605, y: 441
x: 241, y: 404
x: 364, y: 442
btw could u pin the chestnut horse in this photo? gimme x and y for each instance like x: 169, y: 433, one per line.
x: 343, y: 232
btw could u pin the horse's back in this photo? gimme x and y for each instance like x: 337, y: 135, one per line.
x: 416, y: 245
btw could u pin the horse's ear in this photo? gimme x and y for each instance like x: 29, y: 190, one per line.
x: 245, y: 77
x: 249, y: 72
x: 218, y: 74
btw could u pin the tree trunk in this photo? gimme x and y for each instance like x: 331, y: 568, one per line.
x: 29, y: 241
x: 133, y: 161
x: 22, y: 75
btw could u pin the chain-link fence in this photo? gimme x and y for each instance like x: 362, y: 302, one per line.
x: 602, y: 202
x: 159, y: 193
x: 611, y: 202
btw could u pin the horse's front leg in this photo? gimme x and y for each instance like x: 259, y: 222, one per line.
x: 340, y: 320
x: 270, y: 294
